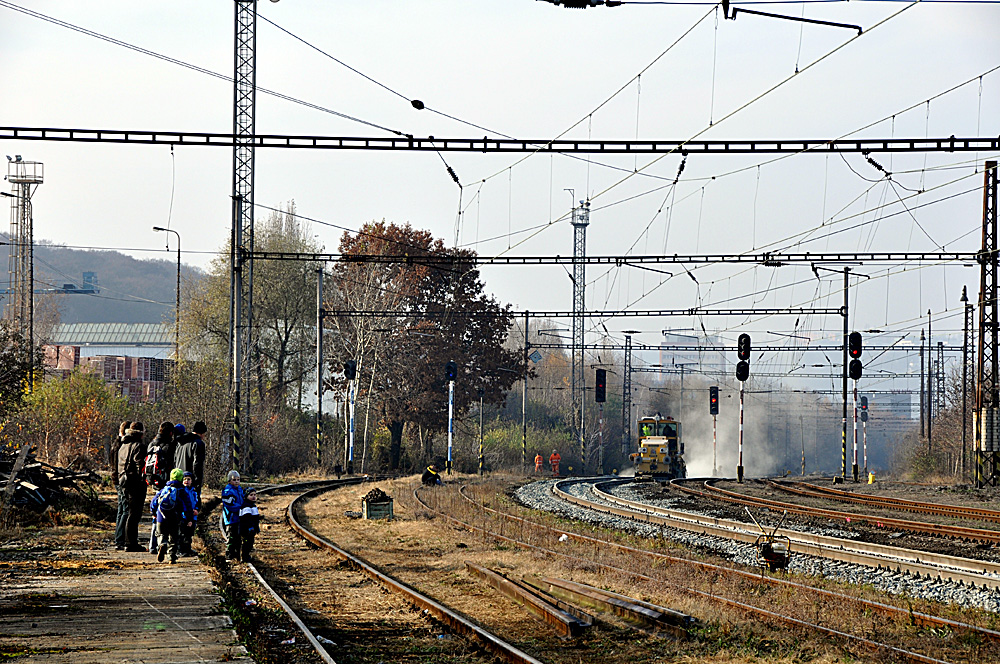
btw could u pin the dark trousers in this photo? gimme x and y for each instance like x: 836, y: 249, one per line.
x: 233, y: 547
x: 135, y: 490
x: 246, y: 545
x: 121, y: 517
x: 168, y: 532
x: 186, y: 534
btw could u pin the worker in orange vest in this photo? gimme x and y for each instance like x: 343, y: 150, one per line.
x: 538, y: 462
x: 554, y: 460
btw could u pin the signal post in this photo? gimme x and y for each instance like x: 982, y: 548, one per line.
x: 854, y: 371
x: 742, y: 373
x: 713, y: 410
x: 600, y: 396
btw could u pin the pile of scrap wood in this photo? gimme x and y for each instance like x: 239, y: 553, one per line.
x: 32, y: 484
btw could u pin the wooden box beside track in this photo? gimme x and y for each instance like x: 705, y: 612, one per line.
x: 376, y: 510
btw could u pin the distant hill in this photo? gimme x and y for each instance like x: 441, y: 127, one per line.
x: 131, y: 290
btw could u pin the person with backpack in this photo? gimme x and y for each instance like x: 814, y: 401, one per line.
x: 159, y: 454
x: 131, y: 461
x: 232, y: 503
x: 190, y: 454
x: 189, y: 522
x: 173, y: 508
x: 122, y: 515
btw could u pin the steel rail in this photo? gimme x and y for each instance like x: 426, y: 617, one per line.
x: 321, y: 651
x: 458, y: 623
x: 919, y: 563
x: 485, y: 144
x: 813, y: 490
x: 960, y: 532
x: 918, y: 618
x: 907, y: 655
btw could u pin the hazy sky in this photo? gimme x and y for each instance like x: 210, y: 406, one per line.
x: 532, y: 70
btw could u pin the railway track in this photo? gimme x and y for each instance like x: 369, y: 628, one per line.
x: 297, y: 586
x: 457, y: 623
x: 660, y: 561
x: 708, y: 490
x: 888, y: 502
x: 921, y: 563
x: 903, y: 613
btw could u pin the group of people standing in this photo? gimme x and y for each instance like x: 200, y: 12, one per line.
x: 240, y: 518
x: 173, y: 464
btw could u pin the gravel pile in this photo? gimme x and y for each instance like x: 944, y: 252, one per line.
x: 538, y: 495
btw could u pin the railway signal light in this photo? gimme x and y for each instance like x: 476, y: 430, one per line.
x: 854, y: 345
x: 742, y: 370
x: 743, y: 347
x: 864, y: 409
x: 713, y: 400
x: 601, y: 386
x: 450, y: 370
x: 350, y: 369
x: 854, y: 369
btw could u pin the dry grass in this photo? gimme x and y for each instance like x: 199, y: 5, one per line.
x: 428, y: 553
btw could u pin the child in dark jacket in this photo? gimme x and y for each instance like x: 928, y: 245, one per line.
x: 232, y: 501
x: 172, y: 508
x: 187, y: 531
x: 249, y: 524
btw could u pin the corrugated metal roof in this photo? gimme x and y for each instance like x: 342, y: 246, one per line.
x: 119, y: 334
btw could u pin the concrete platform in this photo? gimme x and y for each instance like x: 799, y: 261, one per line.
x: 97, y: 606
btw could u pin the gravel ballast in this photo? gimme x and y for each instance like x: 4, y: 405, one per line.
x: 538, y: 495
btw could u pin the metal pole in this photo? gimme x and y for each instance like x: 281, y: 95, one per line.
x: 482, y: 471
x: 600, y: 440
x: 352, y: 394
x: 923, y: 426
x: 319, y: 366
x: 864, y: 440
x: 524, y: 402
x: 854, y: 468
x: 930, y: 381
x: 843, y: 435
x: 451, y: 403
x: 715, y: 465
x: 802, y: 440
x: 739, y: 468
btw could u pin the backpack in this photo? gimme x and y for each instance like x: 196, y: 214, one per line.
x: 155, y: 466
x: 169, y: 505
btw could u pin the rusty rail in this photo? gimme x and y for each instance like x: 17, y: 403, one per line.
x: 632, y: 610
x: 919, y: 563
x: 906, y: 655
x: 565, y: 623
x: 915, y: 617
x: 961, y: 532
x: 918, y: 507
x: 455, y: 621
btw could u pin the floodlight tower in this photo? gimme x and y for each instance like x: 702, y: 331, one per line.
x: 24, y: 177
x: 242, y: 239
x: 581, y: 219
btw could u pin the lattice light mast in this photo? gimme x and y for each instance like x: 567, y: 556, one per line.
x: 242, y: 240
x: 986, y: 437
x: 578, y: 382
x: 24, y: 178
x: 627, y: 399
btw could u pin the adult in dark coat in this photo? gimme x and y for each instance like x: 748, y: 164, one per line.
x: 190, y: 454
x: 164, y: 441
x: 131, y: 458
x: 120, y: 519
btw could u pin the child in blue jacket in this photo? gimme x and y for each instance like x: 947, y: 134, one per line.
x: 173, y: 508
x: 232, y: 503
x: 249, y: 524
x: 187, y: 531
